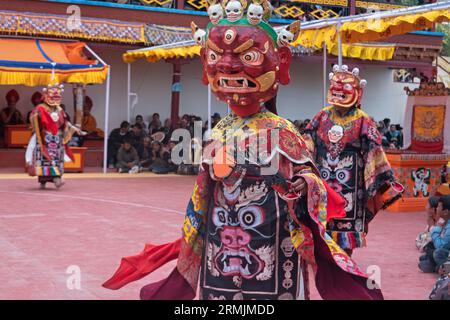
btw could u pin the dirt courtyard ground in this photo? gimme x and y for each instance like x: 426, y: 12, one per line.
x: 93, y: 221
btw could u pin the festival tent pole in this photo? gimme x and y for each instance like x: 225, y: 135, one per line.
x: 339, y: 39
x: 105, y: 148
x: 108, y: 85
x: 324, y: 96
x: 128, y: 92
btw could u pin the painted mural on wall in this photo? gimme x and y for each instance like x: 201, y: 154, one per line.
x: 421, y: 177
x: 415, y: 188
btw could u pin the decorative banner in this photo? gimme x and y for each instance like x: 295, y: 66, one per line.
x: 378, y: 5
x: 198, y: 4
x: 428, y: 128
x: 336, y: 3
x: 292, y: 12
x: 56, y: 25
x: 158, y: 35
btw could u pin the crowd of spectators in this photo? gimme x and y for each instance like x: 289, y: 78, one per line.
x: 138, y: 147
x: 392, y: 134
x: 147, y: 147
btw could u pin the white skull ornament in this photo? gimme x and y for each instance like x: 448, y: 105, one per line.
x: 288, y: 34
x: 215, y: 13
x: 255, y: 13
x: 234, y: 10
x: 284, y: 37
x: 335, y: 134
x: 198, y: 34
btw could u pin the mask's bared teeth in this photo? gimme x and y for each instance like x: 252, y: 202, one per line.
x: 245, y: 83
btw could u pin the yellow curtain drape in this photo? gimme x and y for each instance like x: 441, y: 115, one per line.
x: 371, y: 29
x: 12, y: 76
x: 364, y: 51
x: 153, y: 55
x: 352, y: 33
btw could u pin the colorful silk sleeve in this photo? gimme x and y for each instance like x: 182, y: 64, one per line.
x: 315, y: 246
x: 382, y: 189
x: 194, y: 228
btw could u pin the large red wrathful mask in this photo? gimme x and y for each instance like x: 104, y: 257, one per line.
x: 346, y: 88
x: 245, y: 60
x: 245, y: 69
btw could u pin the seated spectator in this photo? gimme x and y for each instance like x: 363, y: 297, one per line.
x: 423, y: 240
x: 159, y: 158
x: 145, y: 154
x: 167, y: 130
x: 399, y: 129
x: 392, y: 136
x: 440, y: 237
x: 215, y: 118
x: 36, y: 99
x: 155, y: 126
x: 115, y: 141
x: 10, y: 115
x: 137, y: 135
x: 140, y: 120
x: 127, y: 158
x: 393, y: 144
x: 89, y: 124
x: 387, y: 123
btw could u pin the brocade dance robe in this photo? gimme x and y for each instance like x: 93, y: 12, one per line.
x: 53, y: 132
x: 348, y: 153
x: 246, y: 235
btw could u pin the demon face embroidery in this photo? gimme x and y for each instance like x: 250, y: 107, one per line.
x: 337, y: 172
x: 238, y: 229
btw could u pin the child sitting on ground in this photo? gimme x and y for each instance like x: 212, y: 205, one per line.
x: 423, y: 240
x: 435, y: 257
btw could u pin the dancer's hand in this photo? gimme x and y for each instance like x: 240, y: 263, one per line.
x: 299, y: 186
x: 81, y: 132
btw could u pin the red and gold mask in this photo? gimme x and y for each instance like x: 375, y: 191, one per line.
x: 244, y: 62
x: 52, y: 94
x: 346, y: 88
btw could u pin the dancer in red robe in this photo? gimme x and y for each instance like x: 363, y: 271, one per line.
x: 51, y: 133
x: 258, y: 212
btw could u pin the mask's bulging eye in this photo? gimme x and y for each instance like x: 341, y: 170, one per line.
x: 348, y: 87
x: 252, y: 57
x: 212, y: 57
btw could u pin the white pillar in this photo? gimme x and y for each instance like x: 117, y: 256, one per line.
x: 325, y: 78
x: 128, y: 92
x: 105, y: 142
x: 338, y: 27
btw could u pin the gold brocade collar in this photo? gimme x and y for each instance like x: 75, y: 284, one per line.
x: 346, y: 119
x: 235, y: 126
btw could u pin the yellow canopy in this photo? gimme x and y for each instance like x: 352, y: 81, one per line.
x: 33, y: 62
x: 153, y: 55
x: 371, y: 29
x: 364, y: 51
x: 357, y: 51
x: 353, y: 33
